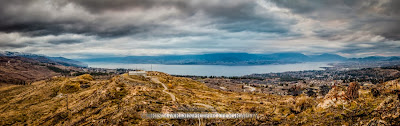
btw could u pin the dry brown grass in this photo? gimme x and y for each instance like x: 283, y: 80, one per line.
x: 122, y: 99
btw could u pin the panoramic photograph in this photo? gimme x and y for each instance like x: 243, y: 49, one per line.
x: 199, y: 62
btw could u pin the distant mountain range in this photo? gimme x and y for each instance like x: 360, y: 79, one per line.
x: 222, y: 59
x: 376, y: 58
x: 205, y: 59
x: 46, y: 59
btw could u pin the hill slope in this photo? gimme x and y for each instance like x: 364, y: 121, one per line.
x: 19, y: 70
x: 123, y: 99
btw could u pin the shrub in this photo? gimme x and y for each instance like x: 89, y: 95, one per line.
x: 295, y: 90
x: 291, y: 116
x: 324, y: 89
x: 329, y: 114
x: 54, y: 91
x: 276, y: 119
x: 310, y: 92
x: 70, y: 87
x: 87, y: 77
x: 375, y: 92
x: 303, y: 103
x: 58, y: 70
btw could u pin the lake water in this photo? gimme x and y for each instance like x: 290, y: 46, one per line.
x: 215, y: 70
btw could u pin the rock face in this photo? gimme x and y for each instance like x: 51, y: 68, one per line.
x: 352, y: 91
x: 333, y: 98
x: 337, y: 95
x: 389, y: 110
x: 377, y: 122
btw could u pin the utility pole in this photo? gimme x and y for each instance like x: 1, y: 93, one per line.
x: 67, y: 102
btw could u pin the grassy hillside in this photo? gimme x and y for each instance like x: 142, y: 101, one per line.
x: 123, y: 99
x: 19, y: 70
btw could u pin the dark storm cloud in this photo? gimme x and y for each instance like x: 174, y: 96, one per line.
x: 379, y: 17
x: 13, y: 45
x: 26, y: 17
x: 374, y: 48
x: 66, y: 41
x: 254, y: 26
x: 40, y: 28
x: 234, y: 16
x: 98, y: 6
x: 235, y: 9
x: 180, y: 26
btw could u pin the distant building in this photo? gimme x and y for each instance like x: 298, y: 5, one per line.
x: 138, y: 73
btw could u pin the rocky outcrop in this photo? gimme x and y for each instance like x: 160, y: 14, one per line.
x: 334, y: 97
x: 352, y: 91
x: 389, y: 110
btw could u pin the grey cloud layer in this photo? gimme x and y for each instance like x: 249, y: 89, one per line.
x: 381, y: 17
x: 98, y: 16
x: 198, y: 26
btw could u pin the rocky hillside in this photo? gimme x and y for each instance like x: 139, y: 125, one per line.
x: 123, y: 99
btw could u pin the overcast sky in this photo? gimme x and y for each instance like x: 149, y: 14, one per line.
x: 92, y: 28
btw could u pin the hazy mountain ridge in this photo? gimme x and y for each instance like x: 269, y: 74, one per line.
x: 376, y: 58
x: 222, y: 59
x: 46, y: 59
x: 328, y: 57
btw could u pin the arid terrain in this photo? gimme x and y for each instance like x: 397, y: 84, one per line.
x: 57, y: 95
x: 199, y: 62
x: 123, y: 99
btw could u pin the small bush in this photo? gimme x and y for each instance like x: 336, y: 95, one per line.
x: 303, y: 103
x: 87, y: 77
x: 311, y: 93
x: 324, y: 89
x: 375, y: 92
x: 70, y: 87
x: 295, y: 91
x: 291, y: 116
x: 58, y: 70
x: 276, y: 119
x: 329, y: 114
x: 54, y: 91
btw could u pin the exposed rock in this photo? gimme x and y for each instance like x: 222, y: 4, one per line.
x: 333, y: 98
x: 389, y: 109
x: 352, y: 91
x: 377, y: 122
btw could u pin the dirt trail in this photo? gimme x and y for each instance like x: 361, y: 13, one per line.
x: 155, y: 80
